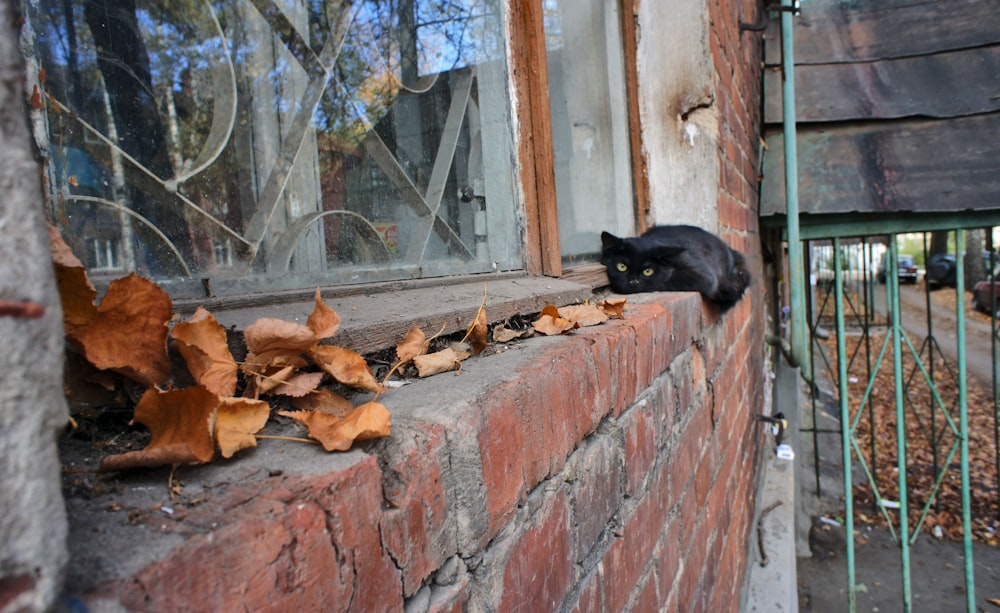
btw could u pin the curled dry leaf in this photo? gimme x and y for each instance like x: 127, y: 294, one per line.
x: 129, y: 332
x: 550, y: 323
x: 503, y: 334
x: 434, y: 363
x: 324, y: 401
x: 202, y: 343
x: 323, y: 321
x: 584, y: 314
x: 477, y: 332
x: 76, y: 292
x: 181, y: 423
x: 346, y: 366
x: 299, y: 384
x: 368, y: 421
x: 236, y: 422
x: 412, y: 345
x: 268, y: 335
x: 267, y: 381
x: 614, y: 307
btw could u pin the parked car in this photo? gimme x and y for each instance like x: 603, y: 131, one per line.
x: 941, y: 270
x: 906, y: 269
x: 981, y: 299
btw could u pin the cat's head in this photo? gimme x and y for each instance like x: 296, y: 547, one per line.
x: 636, y: 264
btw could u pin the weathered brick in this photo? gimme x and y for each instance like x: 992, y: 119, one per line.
x: 591, y: 596
x: 640, y: 429
x: 414, y: 528
x: 597, y: 490
x: 539, y: 570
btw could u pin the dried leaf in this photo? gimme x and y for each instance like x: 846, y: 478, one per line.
x: 368, y: 421
x: 270, y: 335
x: 236, y: 422
x: 994, y: 601
x: 299, y: 385
x: 583, y: 314
x: 413, y: 344
x: 323, y: 321
x: 181, y: 422
x: 267, y: 381
x: 36, y: 99
x: 477, y: 332
x: 202, y: 343
x: 550, y: 323
x: 345, y: 366
x: 129, y: 332
x: 614, y: 307
x: 76, y: 292
x: 435, y: 363
x: 503, y: 334
x: 324, y: 401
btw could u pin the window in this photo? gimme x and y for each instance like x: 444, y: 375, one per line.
x: 262, y: 145
x: 589, y: 123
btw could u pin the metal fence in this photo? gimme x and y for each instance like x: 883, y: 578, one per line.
x: 904, y: 399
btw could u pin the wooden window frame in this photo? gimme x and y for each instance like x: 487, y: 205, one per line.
x: 534, y: 135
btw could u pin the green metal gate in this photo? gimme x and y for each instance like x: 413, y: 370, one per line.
x: 929, y: 390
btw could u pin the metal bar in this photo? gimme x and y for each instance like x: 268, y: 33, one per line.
x: 892, y: 285
x: 970, y: 589
x: 796, y: 272
x: 845, y: 437
x: 847, y: 225
x: 929, y: 341
x: 993, y: 350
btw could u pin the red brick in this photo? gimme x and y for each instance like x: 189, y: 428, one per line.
x: 501, y: 439
x: 591, y: 599
x: 414, y: 529
x: 647, y: 599
x: 640, y: 429
x: 539, y: 571
x: 597, y: 491
x: 302, y: 543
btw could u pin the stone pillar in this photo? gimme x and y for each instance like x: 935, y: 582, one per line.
x: 32, y: 406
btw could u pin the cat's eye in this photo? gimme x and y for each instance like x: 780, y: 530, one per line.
x: 622, y: 267
x: 647, y: 271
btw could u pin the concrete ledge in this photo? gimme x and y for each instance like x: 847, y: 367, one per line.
x: 773, y: 580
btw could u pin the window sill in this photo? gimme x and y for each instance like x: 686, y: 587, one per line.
x: 377, y: 317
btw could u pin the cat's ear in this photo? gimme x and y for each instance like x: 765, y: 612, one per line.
x: 609, y: 241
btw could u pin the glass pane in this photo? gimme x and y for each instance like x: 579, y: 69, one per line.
x: 267, y: 144
x: 589, y: 124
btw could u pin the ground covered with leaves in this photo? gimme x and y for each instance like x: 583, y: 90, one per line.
x: 931, y: 421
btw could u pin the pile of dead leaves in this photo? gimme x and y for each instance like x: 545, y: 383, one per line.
x: 287, y: 364
x: 930, y: 440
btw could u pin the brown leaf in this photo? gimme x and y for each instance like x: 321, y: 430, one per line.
x: 236, y: 422
x: 614, y: 307
x: 413, y: 344
x: 324, y: 401
x: 583, y: 314
x: 323, y: 321
x: 345, y: 366
x: 994, y: 601
x: 270, y: 335
x: 550, y: 323
x: 129, y: 332
x: 202, y: 343
x: 438, y: 362
x: 503, y: 334
x: 368, y: 421
x: 299, y: 385
x: 267, y: 381
x: 477, y: 332
x: 76, y: 292
x: 181, y: 422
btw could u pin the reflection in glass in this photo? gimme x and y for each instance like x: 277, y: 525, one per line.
x: 589, y: 124
x: 265, y: 144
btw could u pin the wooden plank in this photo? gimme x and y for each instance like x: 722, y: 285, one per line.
x: 862, y: 30
x: 536, y: 160
x: 640, y: 170
x: 907, y: 165
x: 941, y: 85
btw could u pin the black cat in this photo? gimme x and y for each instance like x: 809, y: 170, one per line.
x: 676, y: 258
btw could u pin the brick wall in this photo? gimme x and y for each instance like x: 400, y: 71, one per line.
x: 611, y: 470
